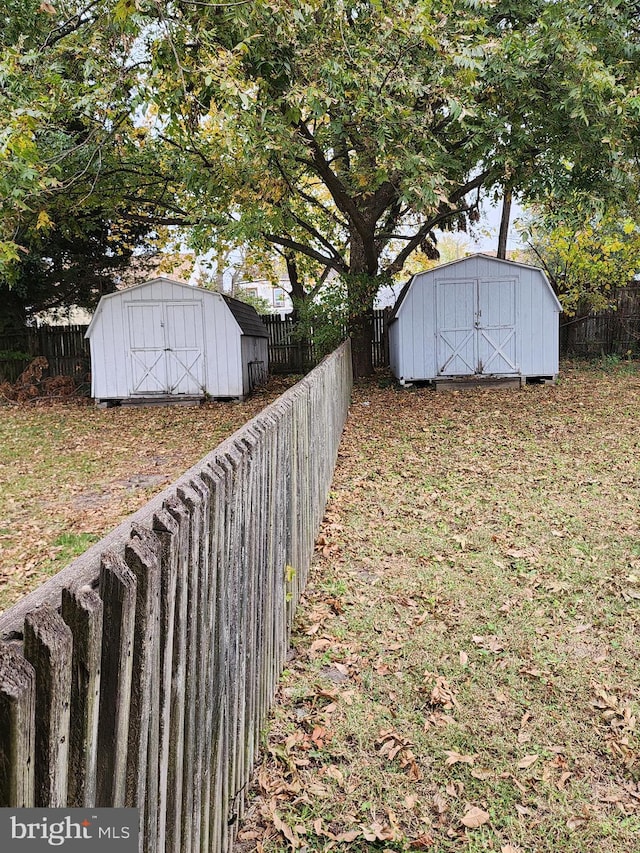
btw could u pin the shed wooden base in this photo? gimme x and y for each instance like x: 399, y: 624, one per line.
x: 490, y: 382
x: 150, y: 401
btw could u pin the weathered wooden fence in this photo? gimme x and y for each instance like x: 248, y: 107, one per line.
x: 599, y: 333
x: 614, y: 332
x: 289, y: 354
x: 64, y: 347
x: 141, y: 674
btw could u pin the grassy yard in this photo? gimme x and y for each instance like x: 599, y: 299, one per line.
x: 70, y: 472
x: 465, y: 670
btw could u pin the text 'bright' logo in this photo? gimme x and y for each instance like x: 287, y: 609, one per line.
x: 58, y: 832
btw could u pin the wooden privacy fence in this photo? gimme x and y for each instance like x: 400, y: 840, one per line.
x: 64, y: 347
x: 141, y: 674
x: 599, y: 333
x: 289, y: 354
x: 613, y: 332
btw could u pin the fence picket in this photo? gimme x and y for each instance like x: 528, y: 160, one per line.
x: 179, y: 512
x: 118, y: 593
x: 82, y: 611
x: 17, y: 728
x: 167, y: 530
x: 48, y: 648
x: 141, y: 557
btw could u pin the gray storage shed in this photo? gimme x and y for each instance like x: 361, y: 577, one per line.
x: 165, y: 339
x: 476, y: 317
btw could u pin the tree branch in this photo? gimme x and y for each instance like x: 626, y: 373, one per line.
x: 318, y: 236
x: 308, y: 198
x: 396, y: 265
x: 343, y: 200
x: 337, y: 264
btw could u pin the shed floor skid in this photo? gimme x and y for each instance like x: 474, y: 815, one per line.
x: 493, y: 382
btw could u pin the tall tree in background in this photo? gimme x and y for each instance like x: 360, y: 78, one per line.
x: 343, y: 132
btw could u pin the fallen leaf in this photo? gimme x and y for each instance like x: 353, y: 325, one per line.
x: 333, y: 772
x: 440, y: 804
x: 378, y: 832
x: 286, y: 830
x: 319, y: 645
x: 562, y: 781
x: 482, y: 773
x: 348, y: 836
x: 475, y: 817
x: 248, y: 835
x: 527, y: 761
x: 464, y: 658
x: 423, y: 842
x: 456, y: 758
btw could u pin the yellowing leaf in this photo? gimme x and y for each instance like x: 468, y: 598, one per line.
x: 43, y: 221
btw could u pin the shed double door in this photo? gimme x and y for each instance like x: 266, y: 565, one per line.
x: 166, y: 348
x: 476, y: 327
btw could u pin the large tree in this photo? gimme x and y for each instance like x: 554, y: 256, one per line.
x: 342, y: 133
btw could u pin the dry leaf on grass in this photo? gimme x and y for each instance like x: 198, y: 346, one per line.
x: 475, y: 817
x: 527, y: 761
x: 423, y: 842
x: 482, y: 773
x: 454, y: 757
x: 285, y: 829
x: 379, y: 832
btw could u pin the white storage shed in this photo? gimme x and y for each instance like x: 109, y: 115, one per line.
x: 476, y: 317
x: 165, y: 339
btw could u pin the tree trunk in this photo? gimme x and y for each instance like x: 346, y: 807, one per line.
x: 504, y: 224
x: 361, y: 334
x: 362, y: 286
